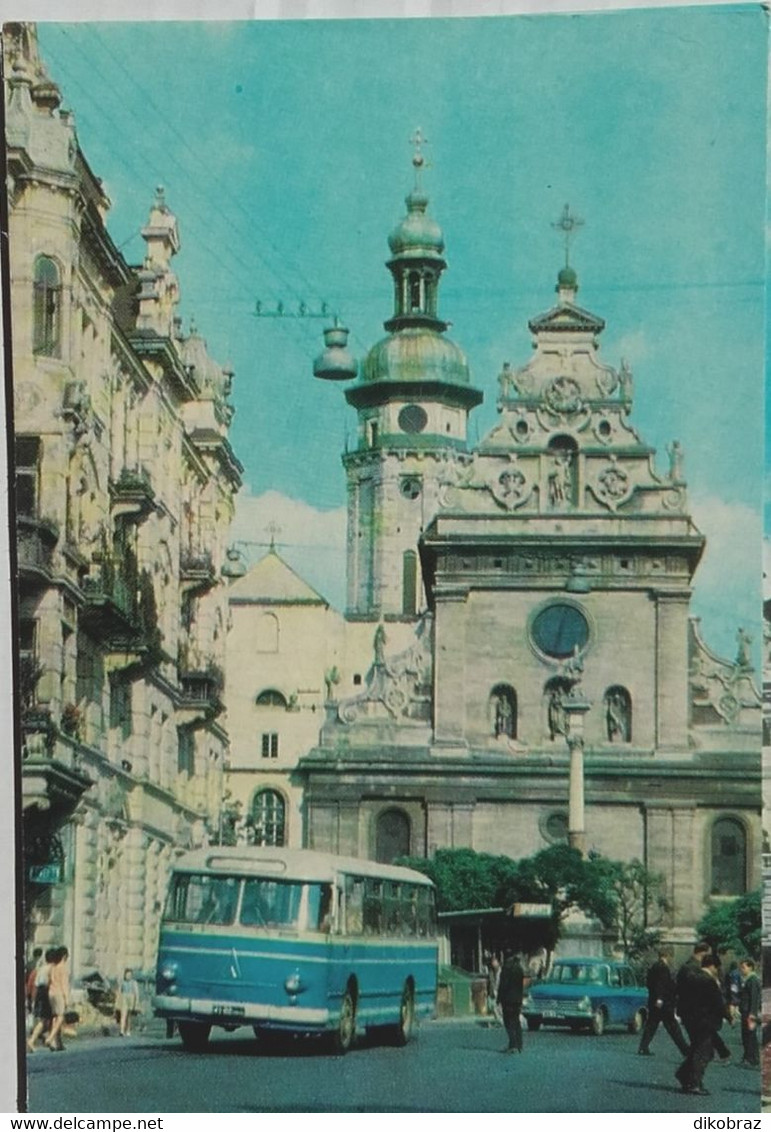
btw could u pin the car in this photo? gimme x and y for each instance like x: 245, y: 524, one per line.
x: 587, y: 994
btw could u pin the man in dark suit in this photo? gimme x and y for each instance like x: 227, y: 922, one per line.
x: 692, y: 967
x: 661, y: 1006
x: 510, y: 993
x: 750, y: 1009
x: 705, y: 1011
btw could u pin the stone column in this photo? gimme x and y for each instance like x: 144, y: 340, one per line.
x: 672, y: 670
x: 450, y: 667
x: 575, y: 708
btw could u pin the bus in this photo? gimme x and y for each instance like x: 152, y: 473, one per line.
x: 296, y: 941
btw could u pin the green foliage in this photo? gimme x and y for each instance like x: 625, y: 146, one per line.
x: 734, y: 925
x: 630, y: 901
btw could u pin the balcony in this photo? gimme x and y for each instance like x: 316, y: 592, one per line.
x: 110, y: 611
x: 196, y: 571
x: 35, y: 542
x: 132, y: 495
x: 200, y: 693
x: 51, y: 782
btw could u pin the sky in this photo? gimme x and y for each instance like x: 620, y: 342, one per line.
x: 284, y: 151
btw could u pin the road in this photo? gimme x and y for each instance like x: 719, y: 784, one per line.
x: 450, y: 1066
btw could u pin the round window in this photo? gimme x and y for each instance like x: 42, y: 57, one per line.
x: 413, y: 418
x: 559, y: 629
x: 556, y: 826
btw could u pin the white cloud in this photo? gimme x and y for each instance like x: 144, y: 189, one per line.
x: 312, y: 541
x: 727, y: 590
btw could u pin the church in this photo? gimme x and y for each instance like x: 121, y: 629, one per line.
x: 486, y: 586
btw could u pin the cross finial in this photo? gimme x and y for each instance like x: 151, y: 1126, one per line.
x: 567, y: 224
x: 273, y: 529
x: 418, y: 140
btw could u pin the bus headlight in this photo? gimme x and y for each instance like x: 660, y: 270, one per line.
x: 167, y: 978
x: 293, y: 984
x: 585, y: 1004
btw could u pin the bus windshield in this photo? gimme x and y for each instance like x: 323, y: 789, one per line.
x: 264, y: 902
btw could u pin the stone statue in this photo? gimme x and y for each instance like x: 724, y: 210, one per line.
x: 556, y: 714
x: 675, y: 451
x: 379, y: 646
x: 504, y: 716
x: 626, y: 380
x: 573, y: 670
x: 617, y: 717
x: 331, y: 678
x: 560, y: 480
x: 743, y: 654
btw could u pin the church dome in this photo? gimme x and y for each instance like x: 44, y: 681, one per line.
x: 417, y: 234
x: 418, y: 354
x: 567, y: 278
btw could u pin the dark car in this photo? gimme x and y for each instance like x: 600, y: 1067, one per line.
x: 587, y: 994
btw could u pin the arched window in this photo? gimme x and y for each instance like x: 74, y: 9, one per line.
x: 46, y: 307
x: 410, y: 583
x: 729, y: 858
x: 267, y: 633
x: 416, y: 298
x: 392, y: 836
x: 503, y: 711
x: 271, y: 697
x: 618, y: 715
x: 268, y: 818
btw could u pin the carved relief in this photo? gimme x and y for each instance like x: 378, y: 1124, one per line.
x: 563, y: 395
x: 613, y: 486
x: 510, y: 488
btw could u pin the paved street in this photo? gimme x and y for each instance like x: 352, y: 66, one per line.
x: 451, y: 1066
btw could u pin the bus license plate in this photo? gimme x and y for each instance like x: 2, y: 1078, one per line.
x: 550, y: 1013
x: 225, y: 1008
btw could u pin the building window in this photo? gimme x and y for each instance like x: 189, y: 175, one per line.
x: 410, y: 583
x: 268, y: 818
x: 267, y: 633
x: 503, y: 711
x: 47, y: 297
x: 270, y: 744
x: 618, y: 715
x: 729, y: 858
x: 27, y: 456
x: 392, y: 836
x: 270, y: 697
x: 554, y: 827
x: 120, y: 707
x: 185, y: 751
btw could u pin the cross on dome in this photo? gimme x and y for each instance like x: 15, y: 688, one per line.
x: 567, y: 224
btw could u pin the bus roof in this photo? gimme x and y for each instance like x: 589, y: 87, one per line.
x: 296, y: 864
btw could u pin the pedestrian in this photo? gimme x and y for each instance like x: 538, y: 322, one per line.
x: 59, y: 995
x: 750, y: 1010
x: 127, y: 1002
x: 690, y: 968
x: 732, y: 988
x: 493, y: 979
x: 661, y: 1006
x: 510, y: 994
x: 706, y: 1010
x: 41, y: 1006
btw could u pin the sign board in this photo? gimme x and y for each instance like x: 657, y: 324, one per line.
x: 532, y: 911
x: 45, y: 874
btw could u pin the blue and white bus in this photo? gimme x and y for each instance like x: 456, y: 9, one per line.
x: 296, y: 941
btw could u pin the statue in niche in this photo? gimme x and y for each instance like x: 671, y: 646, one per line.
x: 379, y: 646
x: 504, y: 716
x: 675, y: 452
x: 617, y: 717
x: 743, y: 653
x: 556, y: 714
x: 560, y: 480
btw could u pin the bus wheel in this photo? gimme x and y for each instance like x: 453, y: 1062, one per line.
x: 346, y: 1026
x: 194, y: 1035
x: 402, y: 1031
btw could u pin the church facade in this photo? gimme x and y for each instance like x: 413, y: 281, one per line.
x: 493, y: 581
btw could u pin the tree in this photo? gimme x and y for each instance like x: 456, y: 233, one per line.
x: 734, y: 925
x: 631, y: 902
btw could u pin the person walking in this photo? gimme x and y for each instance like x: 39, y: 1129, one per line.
x: 41, y: 1005
x: 510, y: 994
x: 691, y: 967
x: 750, y: 1011
x: 59, y: 995
x: 127, y: 1001
x: 661, y: 1006
x: 706, y: 1010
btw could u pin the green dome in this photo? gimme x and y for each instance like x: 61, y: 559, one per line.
x: 417, y: 234
x: 416, y: 354
x: 567, y: 278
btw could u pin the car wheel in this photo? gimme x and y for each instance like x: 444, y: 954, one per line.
x: 194, y: 1035
x: 598, y: 1022
x: 637, y: 1023
x: 400, y: 1033
x: 346, y: 1026
x: 534, y: 1022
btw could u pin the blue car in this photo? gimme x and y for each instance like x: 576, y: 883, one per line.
x: 587, y: 994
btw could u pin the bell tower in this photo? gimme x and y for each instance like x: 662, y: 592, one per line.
x: 413, y: 398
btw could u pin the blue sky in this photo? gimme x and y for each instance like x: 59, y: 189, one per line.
x: 284, y: 151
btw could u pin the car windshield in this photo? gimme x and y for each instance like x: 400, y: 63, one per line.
x: 579, y: 973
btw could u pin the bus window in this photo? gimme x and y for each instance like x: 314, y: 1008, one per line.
x: 354, y: 905
x: 391, y: 909
x: 271, y: 903
x: 320, y: 909
x: 202, y: 899
x: 373, y: 907
x: 409, y: 910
